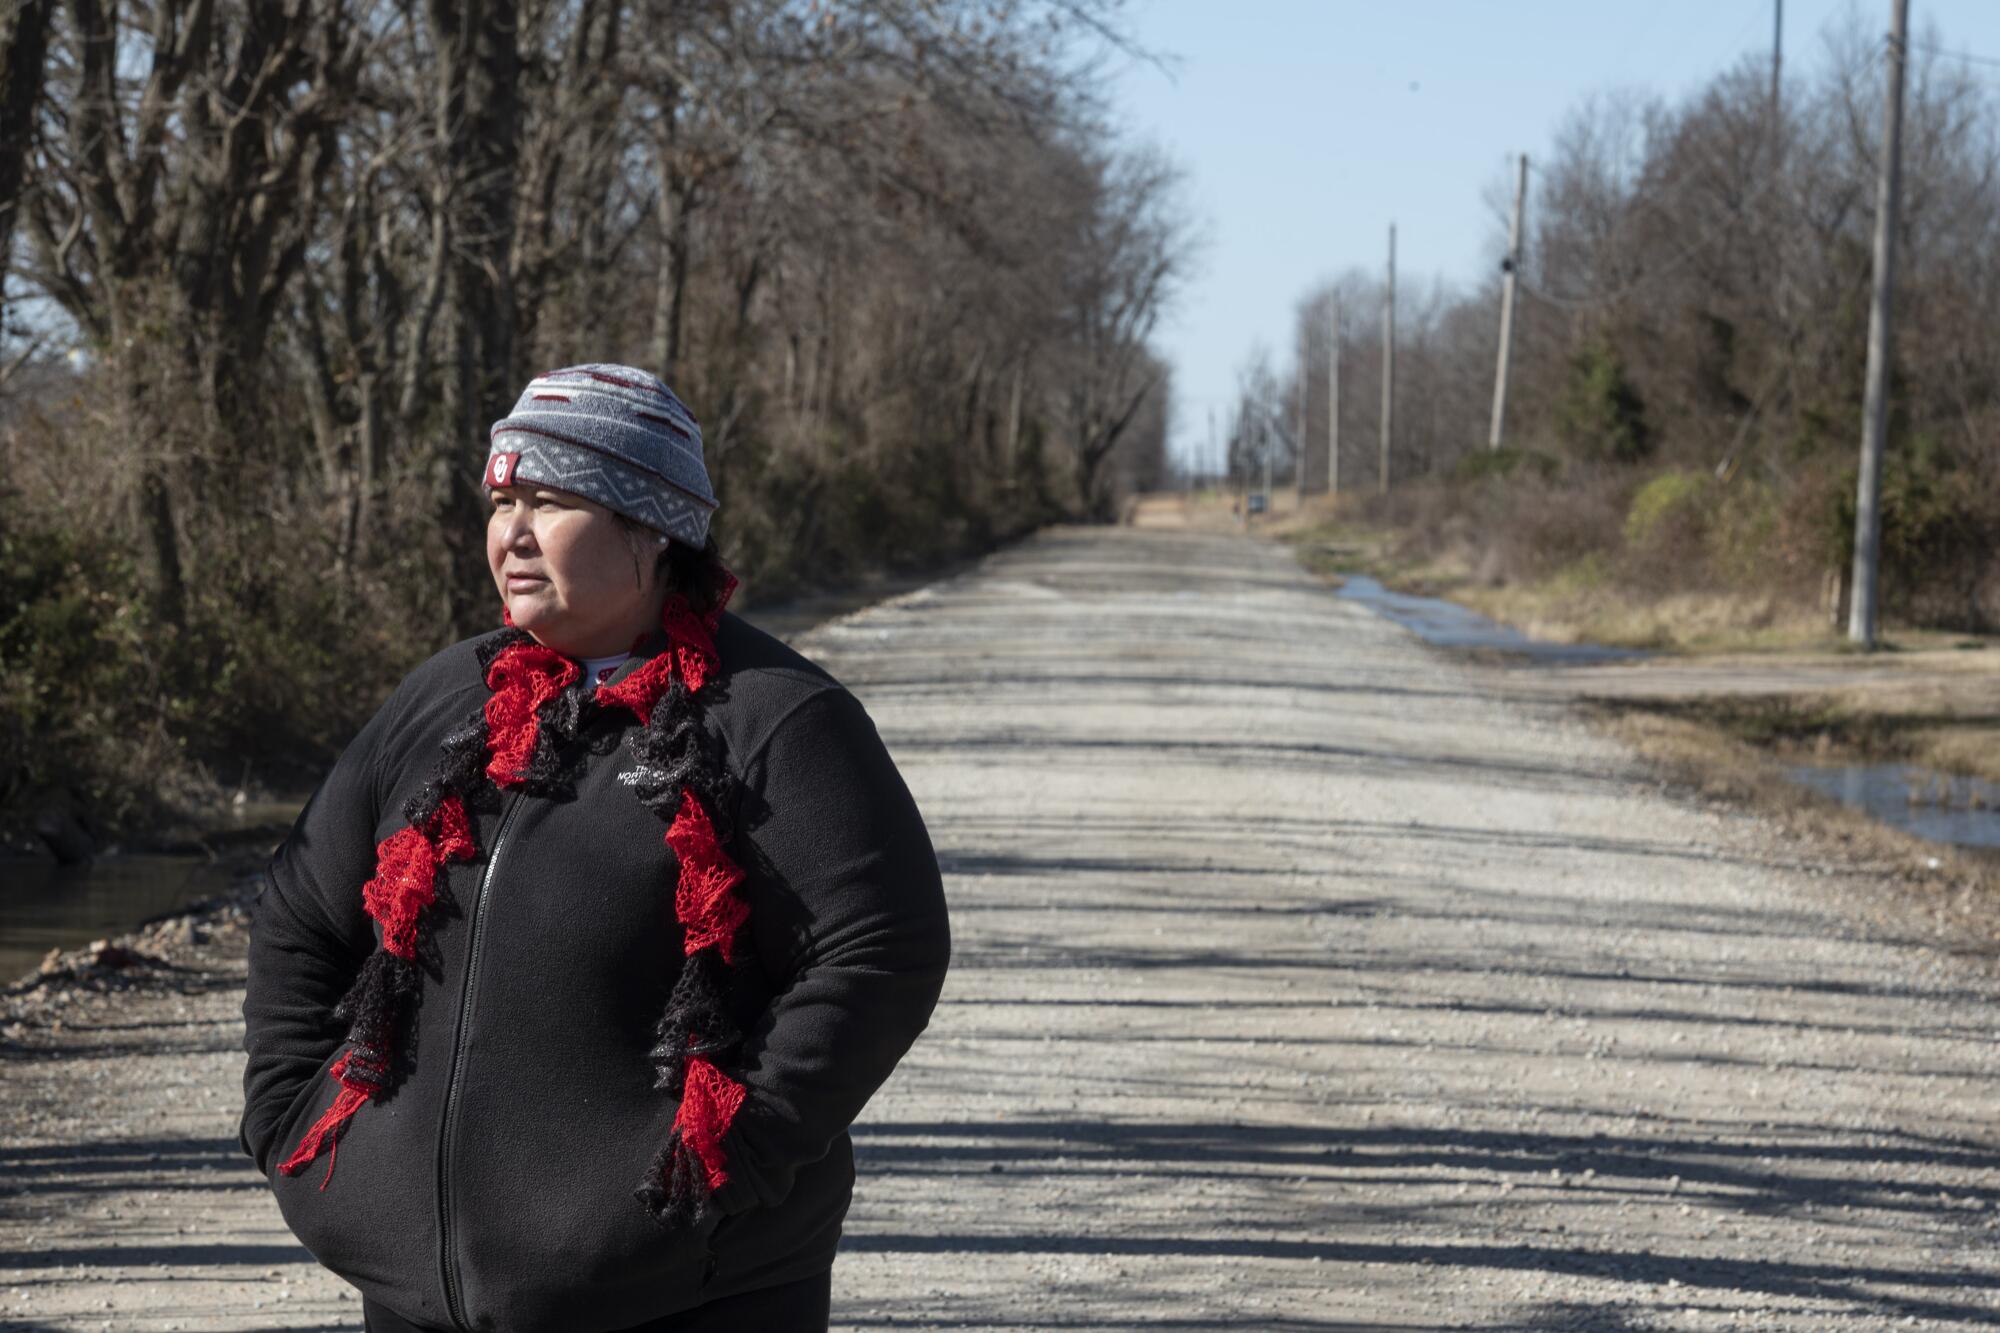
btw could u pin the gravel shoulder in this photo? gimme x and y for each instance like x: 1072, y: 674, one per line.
x: 1301, y: 980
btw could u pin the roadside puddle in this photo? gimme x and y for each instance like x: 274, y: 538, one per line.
x: 1934, y: 806
x: 1448, y: 625
x: 1937, y: 807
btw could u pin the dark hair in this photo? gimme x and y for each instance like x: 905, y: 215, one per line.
x: 696, y: 572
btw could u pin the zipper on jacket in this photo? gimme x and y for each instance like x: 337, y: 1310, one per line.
x: 454, y: 1298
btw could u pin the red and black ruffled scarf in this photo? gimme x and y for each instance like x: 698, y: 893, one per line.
x: 518, y: 743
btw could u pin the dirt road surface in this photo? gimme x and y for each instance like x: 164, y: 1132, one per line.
x: 1300, y: 982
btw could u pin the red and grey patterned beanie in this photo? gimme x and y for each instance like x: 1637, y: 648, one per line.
x: 612, y: 434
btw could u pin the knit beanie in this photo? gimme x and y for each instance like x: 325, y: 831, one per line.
x: 614, y: 435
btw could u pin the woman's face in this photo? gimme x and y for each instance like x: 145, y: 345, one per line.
x: 568, y: 570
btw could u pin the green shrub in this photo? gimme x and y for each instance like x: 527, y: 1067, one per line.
x: 1670, y: 514
x: 1499, y: 464
x: 1744, y: 545
x: 270, y: 674
x: 1600, y: 414
x: 1940, y: 515
x: 73, y: 657
x: 1589, y: 571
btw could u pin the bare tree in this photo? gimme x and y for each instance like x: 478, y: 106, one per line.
x: 1128, y: 249
x: 24, y: 37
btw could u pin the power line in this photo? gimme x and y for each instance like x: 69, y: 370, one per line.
x: 1966, y: 56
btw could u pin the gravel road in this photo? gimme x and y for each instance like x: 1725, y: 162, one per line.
x: 1301, y: 981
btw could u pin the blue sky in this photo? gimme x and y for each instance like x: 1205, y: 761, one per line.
x: 1307, y: 126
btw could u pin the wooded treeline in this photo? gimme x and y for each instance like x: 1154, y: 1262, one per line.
x: 274, y: 268
x: 1691, y: 333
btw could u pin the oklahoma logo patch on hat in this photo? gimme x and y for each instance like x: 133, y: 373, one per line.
x: 500, y: 469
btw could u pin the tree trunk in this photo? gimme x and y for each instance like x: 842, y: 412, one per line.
x: 1014, y: 422
x: 24, y: 38
x: 153, y: 509
x: 479, y: 122
x: 670, y: 301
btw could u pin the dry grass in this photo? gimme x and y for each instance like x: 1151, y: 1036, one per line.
x: 1931, y: 698
x: 1577, y: 603
x: 1572, y: 611
x: 1929, y: 702
x: 1951, y: 725
x: 1958, y: 887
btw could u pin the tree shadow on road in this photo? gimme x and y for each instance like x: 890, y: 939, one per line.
x: 1722, y: 1172
x: 45, y: 1178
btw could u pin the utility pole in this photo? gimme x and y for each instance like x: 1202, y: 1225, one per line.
x: 1264, y: 437
x: 1333, y: 400
x: 1241, y: 433
x: 1305, y: 378
x: 1388, y: 365
x: 1509, y: 267
x: 1214, y: 458
x: 1875, y: 399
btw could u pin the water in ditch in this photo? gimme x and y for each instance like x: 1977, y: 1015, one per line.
x: 1449, y: 625
x: 1938, y: 807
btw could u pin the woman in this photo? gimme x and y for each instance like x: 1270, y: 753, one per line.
x: 585, y: 955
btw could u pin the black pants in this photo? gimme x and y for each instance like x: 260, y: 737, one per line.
x: 804, y: 1306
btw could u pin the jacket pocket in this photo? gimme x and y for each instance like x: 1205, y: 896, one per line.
x: 280, y: 1135
x: 364, y: 1206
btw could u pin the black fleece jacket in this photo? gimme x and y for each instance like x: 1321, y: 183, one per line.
x: 502, y: 1167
